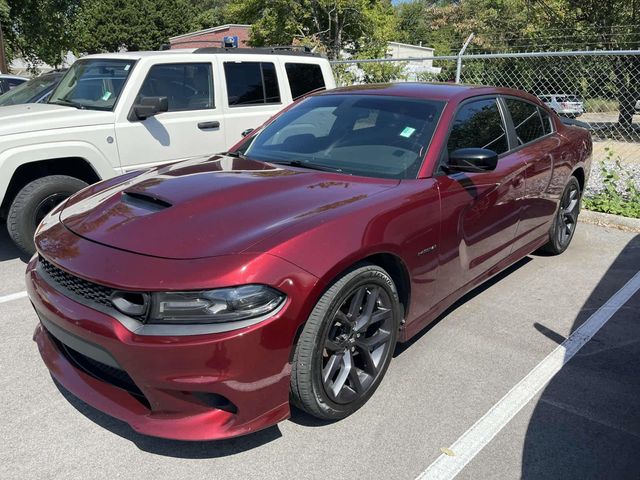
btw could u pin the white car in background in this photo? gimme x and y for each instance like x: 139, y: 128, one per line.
x: 113, y: 113
x: 9, y: 82
x: 564, y: 104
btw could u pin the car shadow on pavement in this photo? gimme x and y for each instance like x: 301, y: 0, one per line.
x: 402, y: 347
x: 586, y: 423
x: 8, y: 251
x: 172, y: 448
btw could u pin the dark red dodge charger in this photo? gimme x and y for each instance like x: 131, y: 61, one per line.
x: 201, y: 299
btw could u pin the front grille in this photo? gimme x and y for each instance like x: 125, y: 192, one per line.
x: 82, y: 288
x: 105, y: 373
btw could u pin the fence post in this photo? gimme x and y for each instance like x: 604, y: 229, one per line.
x: 464, y: 47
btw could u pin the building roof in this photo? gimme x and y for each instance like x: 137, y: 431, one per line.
x: 409, y: 45
x: 219, y: 28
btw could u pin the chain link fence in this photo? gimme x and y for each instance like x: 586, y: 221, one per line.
x: 601, y: 89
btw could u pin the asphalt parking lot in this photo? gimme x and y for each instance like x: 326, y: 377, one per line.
x: 585, y: 423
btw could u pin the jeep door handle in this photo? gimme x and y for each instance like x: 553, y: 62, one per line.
x: 208, y: 125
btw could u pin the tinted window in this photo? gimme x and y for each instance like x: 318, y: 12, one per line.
x: 187, y: 86
x: 526, y: 120
x: 303, y: 78
x: 251, y: 83
x: 546, y: 121
x: 14, y: 82
x: 478, y: 125
x: 369, y: 135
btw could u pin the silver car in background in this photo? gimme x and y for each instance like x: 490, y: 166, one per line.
x: 564, y: 104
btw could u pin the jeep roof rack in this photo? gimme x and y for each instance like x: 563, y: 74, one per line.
x: 296, y: 50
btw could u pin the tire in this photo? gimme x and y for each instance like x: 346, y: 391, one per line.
x: 33, y: 202
x: 565, y: 220
x: 360, y: 344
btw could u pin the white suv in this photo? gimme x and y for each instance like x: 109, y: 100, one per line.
x: 117, y: 112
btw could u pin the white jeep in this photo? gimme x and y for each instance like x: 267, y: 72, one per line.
x: 113, y: 113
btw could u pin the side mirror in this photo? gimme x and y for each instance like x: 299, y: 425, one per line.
x: 247, y: 131
x: 150, y: 106
x: 472, y: 160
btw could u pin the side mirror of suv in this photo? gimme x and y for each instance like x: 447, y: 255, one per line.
x: 150, y: 106
x: 472, y: 160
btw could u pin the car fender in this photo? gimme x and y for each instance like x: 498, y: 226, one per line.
x: 13, y: 158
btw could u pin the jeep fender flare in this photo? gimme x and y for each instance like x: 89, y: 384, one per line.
x: 13, y: 158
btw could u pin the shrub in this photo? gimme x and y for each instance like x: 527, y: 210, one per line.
x: 612, y: 198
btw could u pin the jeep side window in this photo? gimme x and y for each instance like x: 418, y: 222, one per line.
x: 251, y: 83
x: 304, y: 78
x: 187, y: 86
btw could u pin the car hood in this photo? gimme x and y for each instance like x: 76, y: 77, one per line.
x: 208, y: 207
x: 33, y: 117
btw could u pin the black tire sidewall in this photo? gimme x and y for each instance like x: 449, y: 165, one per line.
x: 366, y: 275
x: 21, y: 223
x: 554, y: 245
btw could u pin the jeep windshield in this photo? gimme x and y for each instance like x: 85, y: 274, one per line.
x: 93, y: 84
x: 369, y: 135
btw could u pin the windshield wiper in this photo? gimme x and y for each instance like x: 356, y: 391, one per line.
x: 310, y: 165
x: 68, y: 103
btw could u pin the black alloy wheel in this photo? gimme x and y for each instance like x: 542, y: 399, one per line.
x: 347, y: 344
x: 565, y: 220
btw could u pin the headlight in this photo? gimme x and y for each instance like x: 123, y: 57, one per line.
x: 214, y: 306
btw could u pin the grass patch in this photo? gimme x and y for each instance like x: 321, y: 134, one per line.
x: 600, y: 105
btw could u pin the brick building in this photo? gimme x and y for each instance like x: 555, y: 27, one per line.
x: 211, y: 37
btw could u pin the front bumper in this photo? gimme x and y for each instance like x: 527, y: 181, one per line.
x: 196, y: 387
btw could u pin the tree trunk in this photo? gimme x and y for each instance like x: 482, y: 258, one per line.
x: 3, y: 59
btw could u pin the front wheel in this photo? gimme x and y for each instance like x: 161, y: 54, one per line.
x: 565, y: 220
x: 347, y: 343
x: 33, y: 202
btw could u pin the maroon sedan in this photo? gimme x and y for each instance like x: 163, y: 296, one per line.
x: 199, y: 300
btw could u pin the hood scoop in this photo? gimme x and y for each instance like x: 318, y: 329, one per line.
x: 145, y: 201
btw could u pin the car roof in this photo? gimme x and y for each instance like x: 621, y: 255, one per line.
x: 204, y: 51
x: 6, y: 75
x: 427, y: 91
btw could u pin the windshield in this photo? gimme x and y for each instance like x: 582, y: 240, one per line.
x: 30, y: 91
x: 369, y: 135
x: 93, y: 84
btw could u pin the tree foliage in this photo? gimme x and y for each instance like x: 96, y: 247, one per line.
x: 38, y: 30
x: 333, y: 26
x: 114, y: 25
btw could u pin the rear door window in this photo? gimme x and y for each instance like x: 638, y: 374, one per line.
x: 478, y: 124
x: 526, y: 120
x: 304, y: 78
x: 546, y: 121
x: 251, y: 83
x: 187, y: 86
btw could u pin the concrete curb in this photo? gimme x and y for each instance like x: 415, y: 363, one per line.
x: 612, y: 221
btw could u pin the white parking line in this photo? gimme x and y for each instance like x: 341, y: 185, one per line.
x: 484, y: 430
x: 13, y: 296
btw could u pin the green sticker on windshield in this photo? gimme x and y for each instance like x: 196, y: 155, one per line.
x: 106, y: 96
x: 407, y: 132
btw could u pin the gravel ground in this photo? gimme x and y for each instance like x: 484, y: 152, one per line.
x: 595, y: 184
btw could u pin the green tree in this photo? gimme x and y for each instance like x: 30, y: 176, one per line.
x: 334, y: 26
x: 113, y: 25
x: 38, y: 30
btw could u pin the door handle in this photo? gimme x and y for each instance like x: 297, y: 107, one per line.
x: 209, y: 125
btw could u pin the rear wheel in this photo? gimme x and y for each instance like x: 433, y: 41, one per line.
x: 565, y: 220
x: 32, y: 204
x: 347, y: 344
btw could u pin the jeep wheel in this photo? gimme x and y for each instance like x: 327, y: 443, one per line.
x: 33, y: 202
